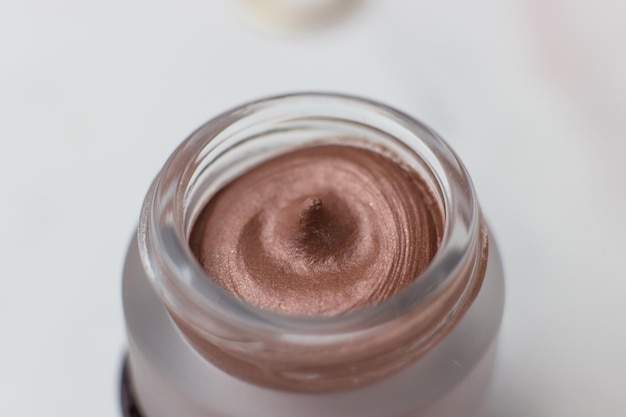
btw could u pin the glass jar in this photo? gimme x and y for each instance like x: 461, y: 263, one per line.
x: 196, y: 350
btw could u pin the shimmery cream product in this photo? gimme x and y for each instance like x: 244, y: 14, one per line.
x: 322, y: 230
x: 311, y: 255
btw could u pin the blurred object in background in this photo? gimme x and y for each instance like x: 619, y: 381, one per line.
x: 295, y: 15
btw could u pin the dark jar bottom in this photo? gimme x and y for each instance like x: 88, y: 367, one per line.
x: 130, y: 408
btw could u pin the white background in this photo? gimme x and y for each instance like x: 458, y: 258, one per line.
x: 531, y: 93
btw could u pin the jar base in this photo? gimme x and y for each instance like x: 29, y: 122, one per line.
x: 128, y: 402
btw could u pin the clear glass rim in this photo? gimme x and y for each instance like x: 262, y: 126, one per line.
x: 185, y: 288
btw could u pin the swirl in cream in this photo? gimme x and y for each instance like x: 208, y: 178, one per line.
x: 319, y: 231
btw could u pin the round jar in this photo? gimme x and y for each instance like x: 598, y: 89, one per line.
x: 196, y: 350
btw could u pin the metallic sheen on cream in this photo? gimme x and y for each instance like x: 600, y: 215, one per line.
x: 321, y: 230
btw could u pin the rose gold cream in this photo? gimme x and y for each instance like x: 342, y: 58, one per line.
x: 319, y: 231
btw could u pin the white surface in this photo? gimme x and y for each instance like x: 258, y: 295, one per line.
x: 532, y: 94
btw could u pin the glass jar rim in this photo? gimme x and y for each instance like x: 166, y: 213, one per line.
x: 184, y: 286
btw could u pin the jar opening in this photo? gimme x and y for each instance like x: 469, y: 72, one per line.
x: 374, y: 340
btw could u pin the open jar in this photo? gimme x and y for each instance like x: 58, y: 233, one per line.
x: 196, y: 350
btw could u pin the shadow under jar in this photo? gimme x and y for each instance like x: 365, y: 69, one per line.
x: 199, y: 347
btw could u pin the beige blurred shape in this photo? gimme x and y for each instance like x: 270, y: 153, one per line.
x: 296, y: 15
